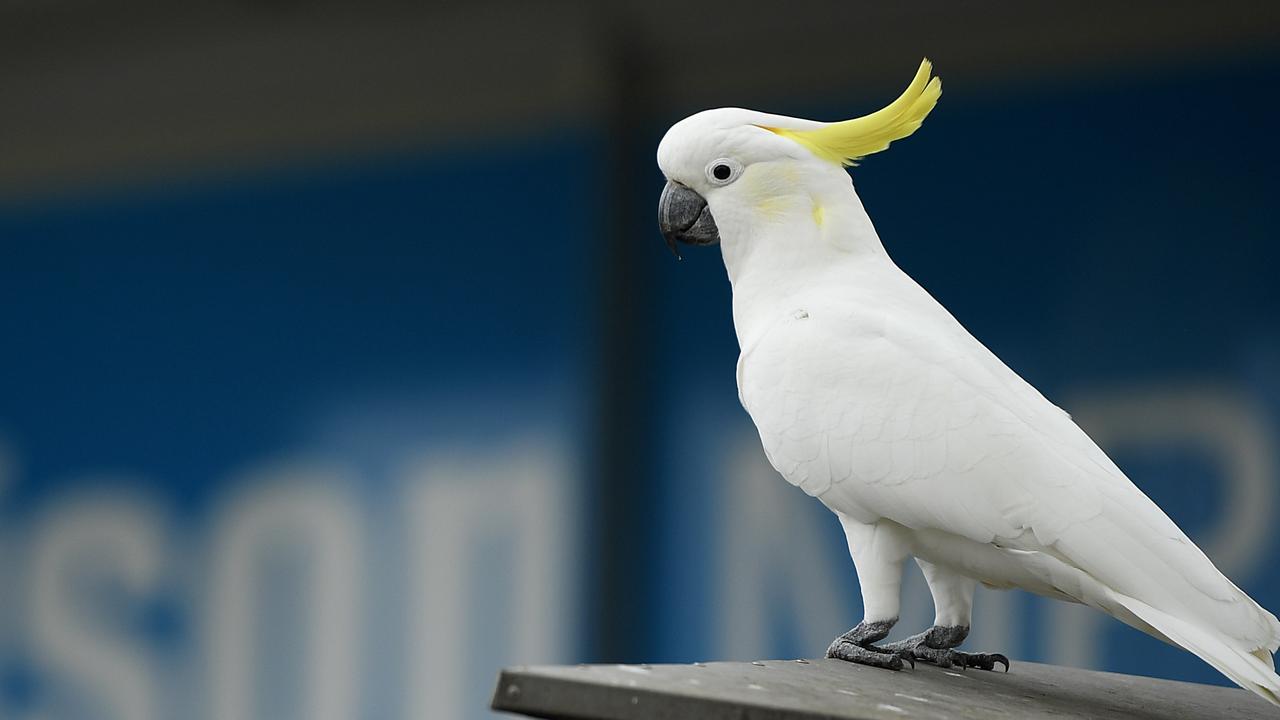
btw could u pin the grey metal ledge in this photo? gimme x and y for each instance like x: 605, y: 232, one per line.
x: 795, y: 689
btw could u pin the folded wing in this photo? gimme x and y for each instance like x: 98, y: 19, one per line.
x: 902, y: 414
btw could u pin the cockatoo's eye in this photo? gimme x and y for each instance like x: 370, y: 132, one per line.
x: 723, y: 171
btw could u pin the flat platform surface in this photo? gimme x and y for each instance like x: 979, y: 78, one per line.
x: 779, y: 689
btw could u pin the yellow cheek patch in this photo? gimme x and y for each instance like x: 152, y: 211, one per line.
x: 819, y: 215
x: 768, y: 188
x: 771, y: 206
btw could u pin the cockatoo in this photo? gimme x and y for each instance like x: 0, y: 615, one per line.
x: 871, y: 397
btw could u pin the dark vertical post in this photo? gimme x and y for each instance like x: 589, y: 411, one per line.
x: 621, y: 478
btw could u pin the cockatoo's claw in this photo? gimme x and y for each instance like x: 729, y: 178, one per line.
x: 962, y: 660
x: 907, y: 656
x: 982, y: 661
x: 935, y: 646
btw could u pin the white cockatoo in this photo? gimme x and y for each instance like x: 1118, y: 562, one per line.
x: 871, y: 397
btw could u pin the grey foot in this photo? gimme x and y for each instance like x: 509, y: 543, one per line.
x: 948, y: 658
x: 857, y: 646
x: 936, y: 644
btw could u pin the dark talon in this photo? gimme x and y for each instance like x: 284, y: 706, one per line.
x: 982, y: 661
x: 906, y: 655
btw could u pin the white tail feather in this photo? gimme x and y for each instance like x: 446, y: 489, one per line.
x: 1251, y: 669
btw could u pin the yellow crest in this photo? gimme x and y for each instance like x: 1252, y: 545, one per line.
x: 845, y: 142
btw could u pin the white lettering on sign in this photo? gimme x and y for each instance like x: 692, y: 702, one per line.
x: 482, y: 546
x: 110, y: 550
x: 289, y: 508
x: 460, y: 508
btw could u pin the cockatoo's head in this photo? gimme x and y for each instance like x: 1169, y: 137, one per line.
x: 731, y: 172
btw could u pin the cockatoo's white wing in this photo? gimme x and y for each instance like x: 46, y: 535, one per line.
x: 881, y: 404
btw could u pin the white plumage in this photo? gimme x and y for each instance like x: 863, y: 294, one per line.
x: 872, y: 398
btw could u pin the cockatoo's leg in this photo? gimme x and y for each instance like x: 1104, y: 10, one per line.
x: 953, y: 607
x: 878, y: 551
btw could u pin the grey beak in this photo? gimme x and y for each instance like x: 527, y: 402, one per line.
x: 683, y: 216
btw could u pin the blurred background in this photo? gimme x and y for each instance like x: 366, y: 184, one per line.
x: 342, y: 362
